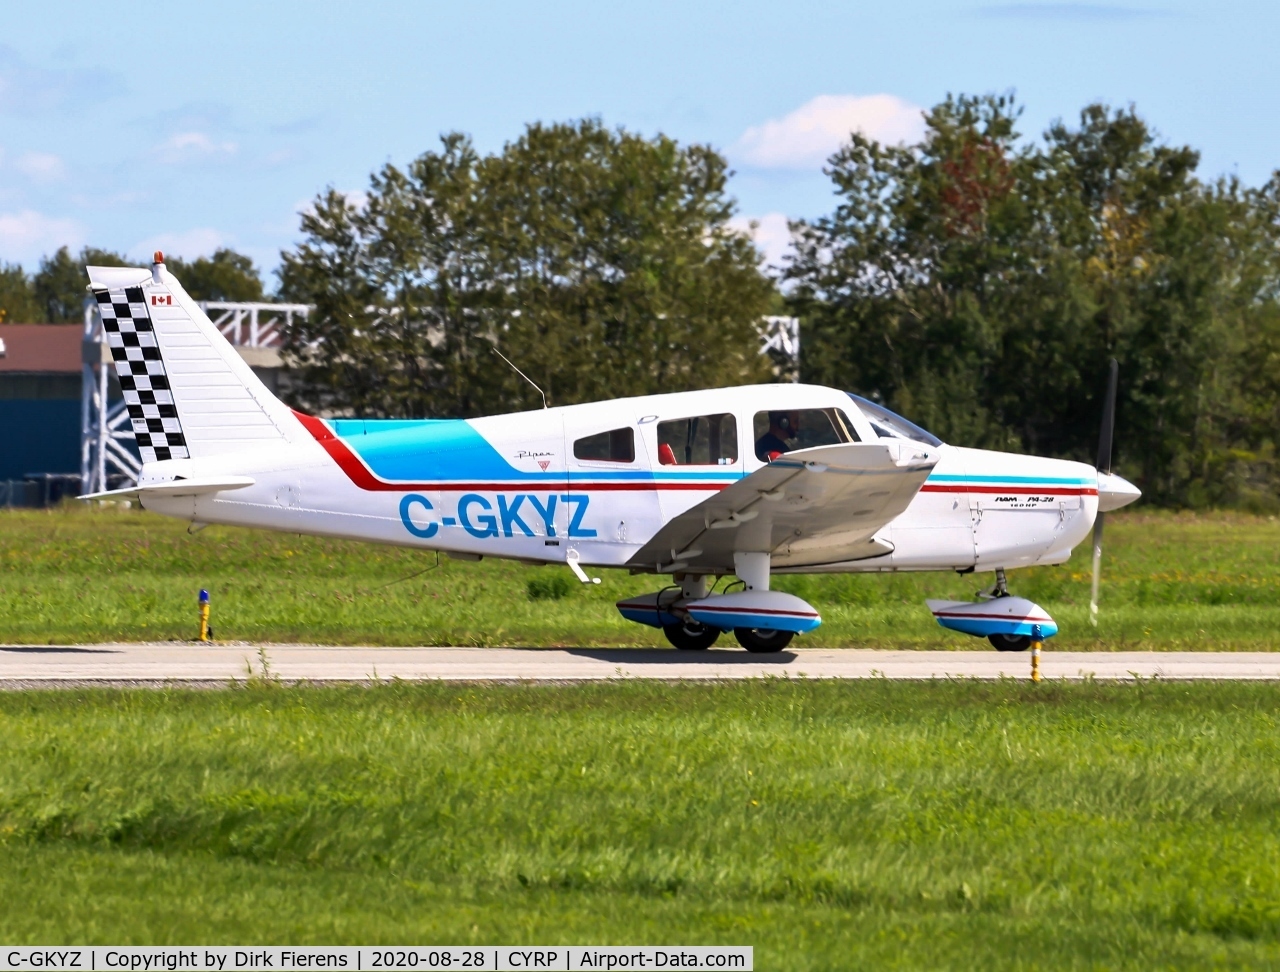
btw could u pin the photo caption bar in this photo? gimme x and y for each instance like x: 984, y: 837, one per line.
x: 391, y: 958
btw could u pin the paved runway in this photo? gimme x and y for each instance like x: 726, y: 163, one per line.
x: 23, y: 666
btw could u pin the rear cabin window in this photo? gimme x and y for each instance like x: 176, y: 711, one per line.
x: 803, y: 428
x: 616, y: 445
x: 704, y: 440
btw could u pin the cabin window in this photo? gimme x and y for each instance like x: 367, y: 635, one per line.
x: 785, y: 430
x: 616, y: 445
x: 704, y: 440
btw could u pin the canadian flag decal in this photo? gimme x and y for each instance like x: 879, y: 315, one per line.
x: 161, y: 299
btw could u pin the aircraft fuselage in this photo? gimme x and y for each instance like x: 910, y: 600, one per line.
x: 518, y: 485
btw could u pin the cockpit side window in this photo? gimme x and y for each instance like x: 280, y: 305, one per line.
x: 616, y: 445
x: 786, y: 430
x: 891, y: 425
x: 704, y: 440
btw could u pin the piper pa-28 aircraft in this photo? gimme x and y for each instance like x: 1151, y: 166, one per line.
x: 745, y: 482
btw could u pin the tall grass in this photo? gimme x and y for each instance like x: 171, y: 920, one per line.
x: 881, y: 824
x: 76, y: 574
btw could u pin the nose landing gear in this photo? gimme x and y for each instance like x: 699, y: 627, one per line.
x: 1003, y: 642
x: 1009, y: 623
x: 763, y: 639
x: 999, y: 589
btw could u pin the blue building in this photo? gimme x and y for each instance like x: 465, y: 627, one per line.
x: 39, y: 400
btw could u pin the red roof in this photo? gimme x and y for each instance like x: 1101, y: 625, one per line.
x: 41, y: 347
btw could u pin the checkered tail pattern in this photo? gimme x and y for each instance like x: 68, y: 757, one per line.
x: 147, y: 394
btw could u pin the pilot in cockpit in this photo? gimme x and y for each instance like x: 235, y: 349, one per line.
x: 783, y: 427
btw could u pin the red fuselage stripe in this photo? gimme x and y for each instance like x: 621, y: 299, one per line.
x: 359, y: 473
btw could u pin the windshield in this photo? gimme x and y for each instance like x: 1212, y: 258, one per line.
x: 891, y: 425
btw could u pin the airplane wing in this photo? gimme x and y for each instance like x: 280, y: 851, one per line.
x: 813, y: 506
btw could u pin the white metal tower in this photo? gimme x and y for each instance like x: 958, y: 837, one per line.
x: 107, y: 451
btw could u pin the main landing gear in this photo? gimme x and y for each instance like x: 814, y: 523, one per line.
x: 692, y: 636
x: 696, y: 619
x: 1003, y: 642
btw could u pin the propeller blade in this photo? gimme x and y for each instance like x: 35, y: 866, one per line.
x: 1097, y: 569
x: 1105, y: 437
x: 1108, y: 420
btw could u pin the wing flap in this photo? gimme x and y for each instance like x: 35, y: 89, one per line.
x: 809, y: 507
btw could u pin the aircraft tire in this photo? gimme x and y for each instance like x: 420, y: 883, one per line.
x: 1002, y: 642
x: 763, y: 639
x: 691, y: 636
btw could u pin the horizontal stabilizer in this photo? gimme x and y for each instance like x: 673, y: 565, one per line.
x: 194, y: 486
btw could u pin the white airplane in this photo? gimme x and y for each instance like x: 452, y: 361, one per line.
x: 740, y: 482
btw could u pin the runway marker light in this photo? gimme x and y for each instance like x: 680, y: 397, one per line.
x: 1035, y: 653
x: 206, y: 632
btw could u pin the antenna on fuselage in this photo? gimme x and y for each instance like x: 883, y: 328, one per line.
x: 522, y: 375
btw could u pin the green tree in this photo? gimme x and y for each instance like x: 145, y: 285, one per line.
x: 59, y: 285
x: 60, y: 282
x: 17, y: 298
x: 601, y: 262
x: 227, y: 275
x: 979, y: 283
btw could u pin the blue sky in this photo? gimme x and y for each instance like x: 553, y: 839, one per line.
x: 189, y: 126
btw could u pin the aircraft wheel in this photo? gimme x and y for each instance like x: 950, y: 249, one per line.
x: 1002, y: 642
x: 691, y: 636
x: 763, y: 639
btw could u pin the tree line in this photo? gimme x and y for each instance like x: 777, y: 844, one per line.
x: 55, y: 292
x: 977, y: 281
x: 980, y: 282
x: 599, y: 261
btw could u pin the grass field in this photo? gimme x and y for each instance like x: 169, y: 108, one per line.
x: 77, y: 574
x: 833, y: 826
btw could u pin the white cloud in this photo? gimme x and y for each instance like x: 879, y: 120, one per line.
x: 805, y: 138
x: 41, y: 166
x: 188, y: 245
x: 28, y: 235
x: 770, y: 233
x: 193, y: 147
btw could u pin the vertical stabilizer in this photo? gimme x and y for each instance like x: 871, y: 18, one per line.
x: 189, y: 394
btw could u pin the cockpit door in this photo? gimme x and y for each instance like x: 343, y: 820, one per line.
x: 612, y: 503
